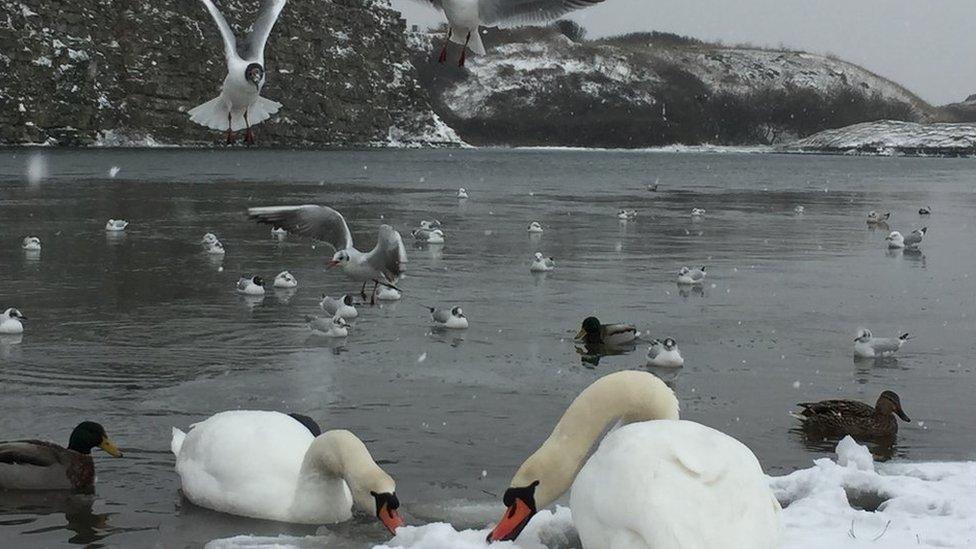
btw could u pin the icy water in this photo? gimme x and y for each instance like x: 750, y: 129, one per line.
x: 143, y: 332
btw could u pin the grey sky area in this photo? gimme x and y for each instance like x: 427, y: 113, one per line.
x: 928, y: 46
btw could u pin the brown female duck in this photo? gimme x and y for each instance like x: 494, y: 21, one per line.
x: 850, y: 417
x: 42, y: 465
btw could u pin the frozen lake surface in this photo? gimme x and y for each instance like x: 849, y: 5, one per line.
x: 143, y: 331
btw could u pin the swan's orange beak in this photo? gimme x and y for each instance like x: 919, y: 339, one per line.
x: 512, y: 523
x: 390, y: 518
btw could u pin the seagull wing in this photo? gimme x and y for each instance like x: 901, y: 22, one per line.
x: 253, y: 46
x: 389, y: 255
x: 318, y: 222
x: 230, y: 43
x: 493, y: 12
x: 440, y: 315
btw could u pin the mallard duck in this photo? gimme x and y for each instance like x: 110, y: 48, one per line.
x: 594, y: 333
x: 850, y: 417
x: 42, y: 465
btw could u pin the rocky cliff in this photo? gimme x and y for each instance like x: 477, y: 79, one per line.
x: 890, y: 137
x: 117, y: 72
x: 540, y: 87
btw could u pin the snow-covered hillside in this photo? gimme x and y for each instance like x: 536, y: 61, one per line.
x: 893, y: 137
x: 538, y: 87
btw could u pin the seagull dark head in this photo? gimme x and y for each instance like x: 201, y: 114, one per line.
x: 254, y: 73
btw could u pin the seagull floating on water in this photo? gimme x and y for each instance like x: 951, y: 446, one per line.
x: 542, y: 264
x: 535, y: 227
x: 10, y: 322
x: 209, y: 238
x: 31, y: 244
x: 385, y: 293
x: 116, y: 225
x: 285, y: 280
x: 626, y: 215
x: 342, y: 307
x: 874, y: 218
x: 665, y: 354
x: 430, y: 236
x: 462, y: 194
x: 798, y: 210
x: 691, y: 276
x: 698, y: 212
x: 465, y: 16
x: 383, y: 265
x: 214, y: 248
x: 253, y: 285
x: 240, y: 105
x: 329, y: 327
x: 452, y: 318
x: 925, y: 210
x: 113, y: 171
x: 434, y: 224
x: 897, y: 241
x: 868, y: 346
x: 278, y: 232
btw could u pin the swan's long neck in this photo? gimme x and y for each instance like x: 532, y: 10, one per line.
x: 340, y: 454
x: 627, y: 396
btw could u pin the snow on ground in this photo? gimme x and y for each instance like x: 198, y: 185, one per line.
x: 847, y: 503
x: 892, y: 136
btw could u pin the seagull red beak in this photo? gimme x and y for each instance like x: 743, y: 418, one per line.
x: 390, y: 518
x: 512, y: 523
x: 332, y: 263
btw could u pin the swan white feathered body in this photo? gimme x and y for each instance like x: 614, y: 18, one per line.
x: 267, y: 465
x: 655, y: 483
x: 673, y: 484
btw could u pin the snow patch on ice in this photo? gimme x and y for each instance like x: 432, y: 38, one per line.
x: 892, y: 137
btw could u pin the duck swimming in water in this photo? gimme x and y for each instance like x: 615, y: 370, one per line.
x: 850, y: 417
x: 11, y: 322
x: 42, y: 465
x: 592, y: 332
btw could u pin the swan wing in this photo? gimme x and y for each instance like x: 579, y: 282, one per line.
x: 628, y: 491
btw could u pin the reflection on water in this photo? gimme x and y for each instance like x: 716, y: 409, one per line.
x: 145, y: 332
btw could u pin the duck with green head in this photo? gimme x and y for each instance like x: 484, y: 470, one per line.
x: 850, y: 417
x: 42, y: 465
x: 592, y: 332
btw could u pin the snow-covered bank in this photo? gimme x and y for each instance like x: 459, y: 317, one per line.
x: 846, y: 503
x: 891, y: 137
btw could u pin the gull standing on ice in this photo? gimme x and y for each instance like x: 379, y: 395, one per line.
x: 341, y: 307
x: 383, y: 265
x: 240, y: 105
x: 465, y: 16
x: 868, y: 346
x: 449, y: 318
x: 691, y: 276
x: 542, y: 264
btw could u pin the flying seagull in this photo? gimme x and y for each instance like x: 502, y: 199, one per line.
x: 382, y: 266
x: 240, y: 105
x: 465, y: 16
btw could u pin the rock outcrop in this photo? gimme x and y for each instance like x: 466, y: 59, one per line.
x: 124, y: 72
x: 890, y: 137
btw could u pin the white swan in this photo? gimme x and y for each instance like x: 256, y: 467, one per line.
x: 31, y: 244
x: 285, y: 280
x: 654, y: 483
x: 115, y: 225
x: 10, y: 322
x: 267, y: 465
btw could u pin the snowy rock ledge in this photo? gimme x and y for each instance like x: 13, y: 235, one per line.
x: 847, y: 503
x: 890, y: 137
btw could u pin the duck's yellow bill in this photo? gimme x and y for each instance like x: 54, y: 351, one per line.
x: 581, y: 334
x: 110, y: 448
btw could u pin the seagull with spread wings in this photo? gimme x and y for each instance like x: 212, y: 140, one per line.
x: 465, y: 16
x: 240, y: 105
x: 383, y: 265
